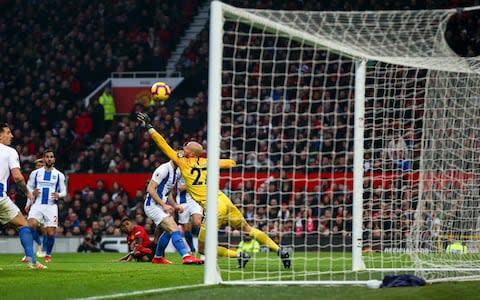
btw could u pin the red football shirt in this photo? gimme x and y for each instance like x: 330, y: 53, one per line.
x: 138, y: 232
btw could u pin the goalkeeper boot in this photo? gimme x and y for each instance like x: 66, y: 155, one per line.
x: 243, y: 259
x: 161, y: 261
x: 285, y: 258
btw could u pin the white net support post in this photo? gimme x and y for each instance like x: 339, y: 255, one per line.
x: 356, y: 141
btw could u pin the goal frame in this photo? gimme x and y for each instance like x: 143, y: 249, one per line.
x: 217, y: 16
x: 211, y: 275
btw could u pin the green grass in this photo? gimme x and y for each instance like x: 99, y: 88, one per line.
x: 86, y: 275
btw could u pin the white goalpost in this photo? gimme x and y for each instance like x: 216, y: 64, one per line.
x: 356, y: 136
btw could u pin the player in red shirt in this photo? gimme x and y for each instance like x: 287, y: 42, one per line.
x: 139, y: 245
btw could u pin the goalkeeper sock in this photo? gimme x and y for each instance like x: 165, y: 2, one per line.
x: 224, y: 252
x: 27, y: 242
x: 178, y: 243
x: 189, y: 240
x: 263, y: 239
x: 162, y: 244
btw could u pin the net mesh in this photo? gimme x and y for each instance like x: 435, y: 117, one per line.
x: 450, y: 165
x: 288, y: 92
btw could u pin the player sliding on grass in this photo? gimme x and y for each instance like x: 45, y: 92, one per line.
x: 194, y: 170
x: 139, y: 245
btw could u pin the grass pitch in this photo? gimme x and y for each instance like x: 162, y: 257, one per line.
x: 72, y: 276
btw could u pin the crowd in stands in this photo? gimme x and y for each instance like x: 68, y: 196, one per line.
x: 54, y: 54
x: 48, y: 64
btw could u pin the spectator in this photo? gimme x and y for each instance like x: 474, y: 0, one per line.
x: 83, y: 127
x: 98, y: 115
x: 100, y: 190
x: 88, y: 244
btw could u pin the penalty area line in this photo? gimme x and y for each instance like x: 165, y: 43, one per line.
x: 141, y: 292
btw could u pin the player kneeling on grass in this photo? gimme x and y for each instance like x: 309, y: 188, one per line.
x: 156, y: 208
x: 139, y: 245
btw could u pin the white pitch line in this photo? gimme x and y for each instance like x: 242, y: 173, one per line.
x: 142, y: 292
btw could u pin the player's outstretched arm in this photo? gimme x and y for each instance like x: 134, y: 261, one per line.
x: 157, y: 137
x: 227, y: 163
x: 127, y: 257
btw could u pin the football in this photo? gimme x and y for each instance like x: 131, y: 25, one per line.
x: 160, y: 91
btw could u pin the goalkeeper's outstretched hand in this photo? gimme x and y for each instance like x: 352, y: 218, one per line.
x: 144, y: 119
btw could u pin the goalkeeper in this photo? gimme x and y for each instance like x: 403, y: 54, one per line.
x: 194, y: 170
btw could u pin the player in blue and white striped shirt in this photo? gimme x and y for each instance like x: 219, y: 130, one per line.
x: 47, y: 185
x: 156, y: 207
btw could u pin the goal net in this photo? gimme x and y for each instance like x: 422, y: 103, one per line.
x: 356, y: 141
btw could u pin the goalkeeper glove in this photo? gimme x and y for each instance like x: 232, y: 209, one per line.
x: 145, y: 120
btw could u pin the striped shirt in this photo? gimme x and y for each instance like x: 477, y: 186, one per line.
x: 47, y: 181
x: 8, y: 160
x: 166, y: 177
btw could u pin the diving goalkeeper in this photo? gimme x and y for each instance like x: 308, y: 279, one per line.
x: 194, y: 170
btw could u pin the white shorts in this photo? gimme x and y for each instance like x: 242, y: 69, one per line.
x: 8, y: 210
x: 46, y: 214
x: 154, y: 211
x: 189, y: 208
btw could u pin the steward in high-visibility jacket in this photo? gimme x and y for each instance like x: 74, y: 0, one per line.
x: 248, y: 245
x: 456, y: 248
x: 106, y: 100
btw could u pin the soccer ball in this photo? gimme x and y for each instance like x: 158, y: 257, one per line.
x: 160, y: 91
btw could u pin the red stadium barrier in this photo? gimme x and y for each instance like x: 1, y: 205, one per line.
x: 131, y: 182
